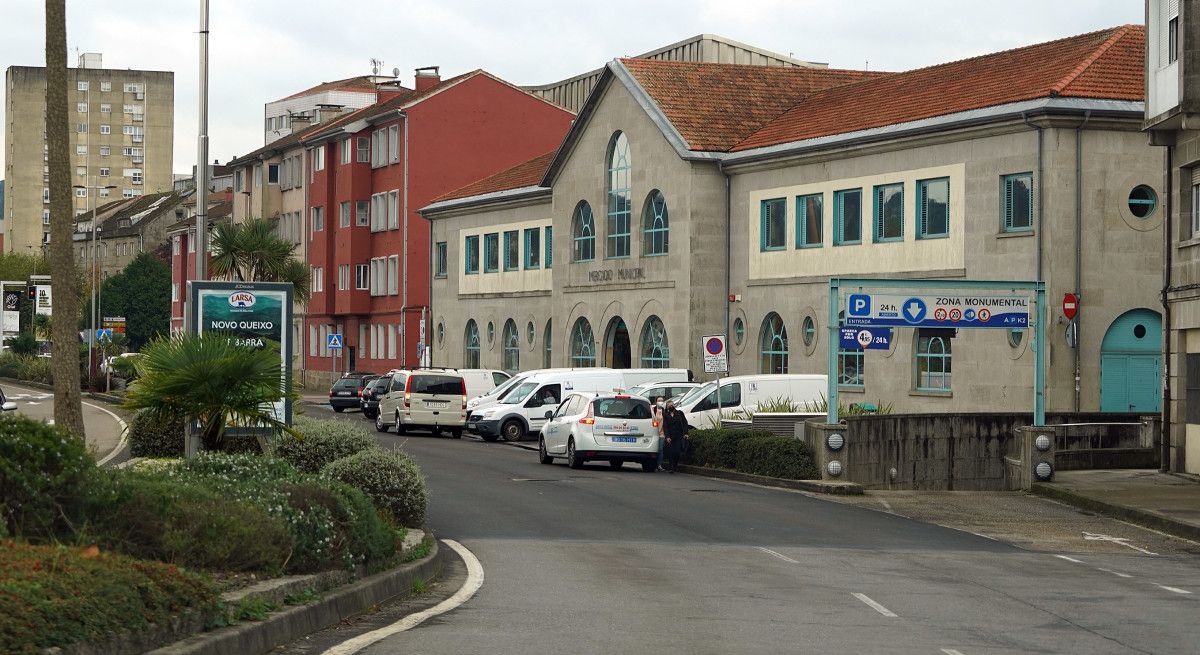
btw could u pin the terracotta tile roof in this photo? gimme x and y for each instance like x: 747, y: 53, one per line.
x: 369, y: 112
x: 360, y: 83
x: 277, y: 145
x: 715, y: 106
x: 1108, y: 64
x: 525, y: 174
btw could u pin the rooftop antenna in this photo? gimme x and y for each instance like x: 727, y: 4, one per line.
x: 396, y: 72
x: 868, y: 65
x: 376, y: 64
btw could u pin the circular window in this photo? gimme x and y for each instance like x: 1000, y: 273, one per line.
x: 810, y: 330
x: 441, y: 332
x: 1142, y: 201
x: 739, y: 331
x: 1139, y: 331
x: 531, y: 331
x: 1015, y: 337
x: 491, y: 331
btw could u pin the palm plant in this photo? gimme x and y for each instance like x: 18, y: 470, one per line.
x: 210, y: 380
x: 252, y: 252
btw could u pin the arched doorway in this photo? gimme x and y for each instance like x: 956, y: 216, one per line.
x: 1131, y: 363
x: 617, y: 353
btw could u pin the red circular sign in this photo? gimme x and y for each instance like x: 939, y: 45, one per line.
x: 714, y: 346
x: 939, y: 314
x: 956, y: 314
x: 1070, y: 305
x: 984, y: 315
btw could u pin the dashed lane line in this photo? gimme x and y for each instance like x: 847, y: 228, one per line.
x: 777, y: 555
x: 1175, y: 590
x: 874, y: 605
x: 1116, y: 573
x: 951, y: 651
x: 1069, y: 559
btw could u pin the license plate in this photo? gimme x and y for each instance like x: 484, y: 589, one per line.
x: 625, y: 439
x: 471, y: 426
x: 345, y: 393
x: 439, y: 404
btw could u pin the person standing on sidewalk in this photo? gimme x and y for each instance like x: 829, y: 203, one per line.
x: 657, y: 408
x: 675, y: 429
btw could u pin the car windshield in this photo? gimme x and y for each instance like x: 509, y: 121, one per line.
x: 503, y: 389
x: 632, y: 408
x: 381, y: 384
x: 520, y: 393
x: 347, y: 383
x: 440, y: 384
x: 696, y: 394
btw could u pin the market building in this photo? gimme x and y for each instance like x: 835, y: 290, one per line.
x: 694, y: 198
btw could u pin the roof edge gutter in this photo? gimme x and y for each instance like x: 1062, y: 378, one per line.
x: 520, y: 193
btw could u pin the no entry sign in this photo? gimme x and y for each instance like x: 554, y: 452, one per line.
x: 716, y: 359
x: 1070, y: 306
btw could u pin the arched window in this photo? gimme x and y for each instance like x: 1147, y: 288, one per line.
x: 471, y: 345
x: 583, y: 345
x: 655, y: 352
x: 655, y: 227
x: 546, y: 341
x: 583, y: 233
x: 933, y: 361
x: 620, y: 202
x: 852, y: 363
x: 773, y: 345
x: 512, y: 347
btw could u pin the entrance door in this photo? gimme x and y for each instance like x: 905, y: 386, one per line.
x: 617, y: 351
x: 1131, y: 363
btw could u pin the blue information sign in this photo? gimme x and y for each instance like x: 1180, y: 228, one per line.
x: 865, y: 337
x: 939, y: 311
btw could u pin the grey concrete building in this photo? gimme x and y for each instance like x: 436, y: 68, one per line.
x: 694, y: 199
x: 1172, y: 108
x: 125, y: 229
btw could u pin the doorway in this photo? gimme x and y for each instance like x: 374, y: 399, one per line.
x: 617, y: 353
x: 1131, y: 363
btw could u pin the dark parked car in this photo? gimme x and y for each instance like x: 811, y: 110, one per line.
x: 344, y: 393
x: 369, y: 400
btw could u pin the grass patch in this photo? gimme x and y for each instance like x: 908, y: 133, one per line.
x: 301, y: 597
x: 419, y: 587
x: 420, y: 551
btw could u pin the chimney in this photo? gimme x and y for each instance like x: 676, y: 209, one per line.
x: 427, y: 77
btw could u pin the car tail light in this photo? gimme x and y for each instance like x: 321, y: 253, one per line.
x: 654, y: 423
x: 464, y: 395
x: 589, y: 418
x: 408, y: 392
x: 621, y: 397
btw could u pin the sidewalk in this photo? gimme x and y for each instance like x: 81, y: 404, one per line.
x: 1161, y: 501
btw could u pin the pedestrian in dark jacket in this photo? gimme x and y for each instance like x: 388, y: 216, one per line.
x: 675, y: 429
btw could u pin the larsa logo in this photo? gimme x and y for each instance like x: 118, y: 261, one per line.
x: 241, y: 299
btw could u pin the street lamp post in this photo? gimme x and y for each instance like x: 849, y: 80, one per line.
x: 94, y: 274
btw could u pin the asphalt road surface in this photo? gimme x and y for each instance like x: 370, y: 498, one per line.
x: 602, y: 561
x: 103, y: 427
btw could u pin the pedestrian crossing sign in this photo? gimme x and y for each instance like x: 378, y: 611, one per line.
x: 333, y: 341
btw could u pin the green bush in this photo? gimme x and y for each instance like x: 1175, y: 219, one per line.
x: 24, y: 344
x: 156, y: 437
x: 321, y: 442
x: 25, y: 367
x: 752, y: 451
x: 55, y: 596
x: 43, y: 474
x: 388, y: 477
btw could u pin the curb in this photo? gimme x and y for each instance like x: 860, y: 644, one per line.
x: 95, y: 395
x: 1141, y: 517
x: 817, y: 486
x: 296, y: 622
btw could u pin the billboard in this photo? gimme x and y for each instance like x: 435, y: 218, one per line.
x: 43, y: 299
x: 257, y: 315
x: 12, y: 309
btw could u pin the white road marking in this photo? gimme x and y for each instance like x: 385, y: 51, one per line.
x: 1117, y: 573
x: 1069, y: 559
x: 1171, y: 589
x: 1124, y: 541
x: 951, y: 651
x: 124, y: 435
x: 984, y: 536
x: 873, y: 605
x: 777, y: 555
x: 472, y: 585
x: 886, y: 504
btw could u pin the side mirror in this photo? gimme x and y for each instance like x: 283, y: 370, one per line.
x: 8, y: 406
x: 549, y: 414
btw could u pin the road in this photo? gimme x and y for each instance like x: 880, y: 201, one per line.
x: 601, y: 561
x: 103, y: 427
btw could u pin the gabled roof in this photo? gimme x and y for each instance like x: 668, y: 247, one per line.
x: 1109, y: 64
x: 139, y: 211
x: 525, y: 174
x: 278, y: 145
x: 361, y: 83
x: 715, y: 106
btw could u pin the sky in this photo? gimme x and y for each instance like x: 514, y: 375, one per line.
x: 263, y: 50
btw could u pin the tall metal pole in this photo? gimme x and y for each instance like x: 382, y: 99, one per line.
x: 202, y: 150
x: 93, y: 278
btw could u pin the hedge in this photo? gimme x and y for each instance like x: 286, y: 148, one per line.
x: 55, y: 596
x: 43, y: 476
x: 151, y: 437
x: 388, y: 477
x: 321, y: 442
x: 752, y: 451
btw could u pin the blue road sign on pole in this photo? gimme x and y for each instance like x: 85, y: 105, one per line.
x: 333, y: 341
x: 938, y: 310
x: 866, y: 338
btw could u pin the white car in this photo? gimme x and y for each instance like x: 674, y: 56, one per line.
x: 426, y: 399
x: 606, y: 427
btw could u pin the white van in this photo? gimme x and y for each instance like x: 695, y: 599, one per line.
x: 435, y: 400
x: 745, y: 392
x: 522, y: 410
x: 489, y: 398
x: 481, y: 380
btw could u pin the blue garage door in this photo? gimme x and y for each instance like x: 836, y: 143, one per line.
x: 1131, y: 363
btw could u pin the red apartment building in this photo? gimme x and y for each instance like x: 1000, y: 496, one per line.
x: 183, y: 247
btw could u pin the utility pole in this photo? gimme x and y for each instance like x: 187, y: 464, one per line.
x: 202, y: 152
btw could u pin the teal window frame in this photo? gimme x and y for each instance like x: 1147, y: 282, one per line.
x: 1009, y: 204
x: 533, y: 248
x: 548, y: 247
x: 739, y: 331
x: 512, y: 347
x: 923, y: 186
x: 471, y: 255
x: 852, y: 378
x: 583, y: 233
x: 883, y: 200
x: 1151, y: 201
x: 439, y: 258
x: 491, y: 252
x: 656, y: 228
x: 471, y: 348
x: 805, y: 219
x: 620, y: 198
x: 655, y: 351
x: 546, y: 343
x: 512, y: 251
x: 773, y: 345
x: 839, y: 217
x: 583, y: 345
x: 933, y: 362
x: 773, y: 210
x: 809, y: 327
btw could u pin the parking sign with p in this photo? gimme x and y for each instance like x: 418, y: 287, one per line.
x: 859, y: 304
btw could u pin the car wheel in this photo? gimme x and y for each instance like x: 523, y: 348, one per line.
x: 543, y: 456
x: 616, y: 463
x: 456, y: 433
x: 380, y: 426
x: 650, y: 466
x: 512, y: 430
x: 573, y: 458
x: 339, y: 410
x: 399, y: 425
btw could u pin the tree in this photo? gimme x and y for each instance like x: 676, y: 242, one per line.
x: 142, y: 294
x: 251, y: 251
x: 209, y: 379
x: 64, y: 363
